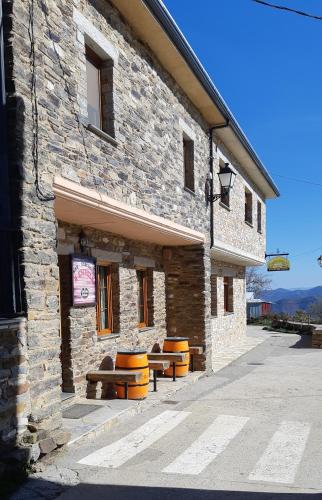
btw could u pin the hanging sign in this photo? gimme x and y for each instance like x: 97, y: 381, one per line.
x: 83, y: 280
x: 278, y: 263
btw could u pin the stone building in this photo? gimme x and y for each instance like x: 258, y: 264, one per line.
x: 113, y: 135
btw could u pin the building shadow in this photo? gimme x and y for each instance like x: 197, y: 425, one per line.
x: 38, y: 488
x: 305, y: 342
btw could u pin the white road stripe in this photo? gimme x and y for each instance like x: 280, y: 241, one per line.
x: 126, y: 448
x: 283, y: 455
x: 208, y: 446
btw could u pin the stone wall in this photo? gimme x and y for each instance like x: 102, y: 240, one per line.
x: 14, y: 383
x: 229, y: 328
x: 141, y: 165
x: 146, y: 168
x: 82, y: 348
x: 229, y: 223
x: 188, y: 298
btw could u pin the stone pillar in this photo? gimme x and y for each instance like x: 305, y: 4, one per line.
x: 43, y: 327
x: 188, y: 297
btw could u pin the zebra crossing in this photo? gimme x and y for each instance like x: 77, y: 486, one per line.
x: 278, y: 463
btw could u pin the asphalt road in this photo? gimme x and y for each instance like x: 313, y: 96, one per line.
x: 252, y: 431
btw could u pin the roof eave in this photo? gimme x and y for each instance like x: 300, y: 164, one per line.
x: 155, y: 27
x: 163, y: 16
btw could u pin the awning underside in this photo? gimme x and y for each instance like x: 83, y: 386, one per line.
x: 86, y: 207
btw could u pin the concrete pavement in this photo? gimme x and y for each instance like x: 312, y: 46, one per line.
x: 251, y: 431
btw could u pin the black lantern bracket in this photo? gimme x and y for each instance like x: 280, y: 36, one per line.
x: 216, y: 197
x: 226, y: 179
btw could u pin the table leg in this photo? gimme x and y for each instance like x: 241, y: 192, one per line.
x: 126, y: 387
x: 154, y: 380
x: 174, y: 371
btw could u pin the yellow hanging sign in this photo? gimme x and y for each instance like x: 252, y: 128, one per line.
x: 278, y: 263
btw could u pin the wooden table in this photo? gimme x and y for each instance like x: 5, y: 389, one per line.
x: 172, y: 357
x: 114, y: 376
x: 157, y: 366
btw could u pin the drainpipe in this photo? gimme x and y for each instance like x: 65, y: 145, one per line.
x: 211, y: 176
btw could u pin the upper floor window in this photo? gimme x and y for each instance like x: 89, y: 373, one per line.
x: 188, y: 161
x: 228, y: 294
x: 248, y: 206
x: 100, y: 96
x: 104, y: 300
x: 213, y: 296
x: 259, y: 217
x: 94, y: 88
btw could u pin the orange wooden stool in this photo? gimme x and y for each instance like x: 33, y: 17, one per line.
x: 133, y: 360
x: 177, y: 345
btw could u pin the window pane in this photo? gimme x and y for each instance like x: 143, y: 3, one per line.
x: 228, y: 294
x: 248, y: 207
x: 142, y: 298
x: 259, y: 217
x: 93, y: 94
x: 140, y: 276
x: 188, y: 159
x: 104, y: 296
x: 213, y: 291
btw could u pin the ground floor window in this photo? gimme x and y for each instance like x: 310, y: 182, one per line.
x: 213, y: 296
x: 228, y: 294
x: 104, y: 300
x: 144, y: 294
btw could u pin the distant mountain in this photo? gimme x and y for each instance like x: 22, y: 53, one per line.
x: 290, y: 301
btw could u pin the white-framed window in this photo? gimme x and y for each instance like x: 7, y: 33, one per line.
x: 101, y: 57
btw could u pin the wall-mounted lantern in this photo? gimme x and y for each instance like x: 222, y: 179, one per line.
x: 83, y: 241
x: 319, y: 259
x: 226, y: 180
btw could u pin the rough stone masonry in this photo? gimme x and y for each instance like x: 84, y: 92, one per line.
x: 137, y: 160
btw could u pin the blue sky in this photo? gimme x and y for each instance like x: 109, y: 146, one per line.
x: 267, y: 65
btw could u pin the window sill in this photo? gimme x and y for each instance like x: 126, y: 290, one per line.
x: 189, y: 191
x: 228, y: 313
x: 145, y: 328
x: 100, y: 133
x: 225, y: 206
x: 259, y: 232
x: 108, y: 336
x: 249, y: 223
